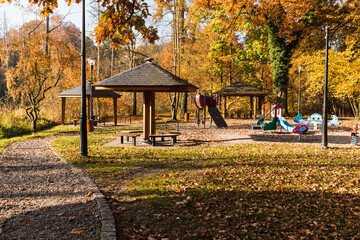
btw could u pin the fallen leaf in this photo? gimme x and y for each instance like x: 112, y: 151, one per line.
x: 60, y: 214
x: 87, y: 213
x: 55, y: 229
x: 78, y: 230
x: 89, y: 194
x: 70, y: 218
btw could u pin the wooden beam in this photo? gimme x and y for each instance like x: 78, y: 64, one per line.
x: 146, y: 115
x: 63, y: 104
x: 152, y: 113
x: 255, y: 99
x: 251, y: 107
x: 225, y: 110
x: 148, y: 88
x: 115, y: 110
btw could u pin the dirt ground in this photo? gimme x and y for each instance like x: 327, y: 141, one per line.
x: 239, y: 131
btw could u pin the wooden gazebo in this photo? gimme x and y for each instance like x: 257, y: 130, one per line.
x: 241, y: 89
x: 76, y: 92
x: 147, y: 78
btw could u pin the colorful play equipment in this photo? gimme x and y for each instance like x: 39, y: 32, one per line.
x: 315, y: 121
x: 203, y: 101
x: 299, y: 120
x: 334, y: 121
x: 354, y: 135
x: 276, y: 114
x: 260, y: 122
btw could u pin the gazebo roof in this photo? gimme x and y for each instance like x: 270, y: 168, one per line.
x: 76, y: 92
x: 240, y: 89
x: 147, y: 76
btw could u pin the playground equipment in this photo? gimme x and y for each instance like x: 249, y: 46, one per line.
x: 334, y: 121
x: 276, y: 114
x: 315, y: 121
x: 300, y: 120
x: 260, y: 123
x: 354, y: 135
x: 201, y: 101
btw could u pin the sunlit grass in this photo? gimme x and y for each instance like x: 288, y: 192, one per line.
x: 57, y: 130
x: 255, y: 190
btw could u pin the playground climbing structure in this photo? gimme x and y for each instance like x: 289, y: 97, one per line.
x: 203, y: 101
x: 276, y: 114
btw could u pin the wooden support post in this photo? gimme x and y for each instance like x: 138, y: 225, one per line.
x: 225, y: 110
x: 63, y: 104
x: 115, y: 110
x: 152, y: 112
x: 255, y: 108
x: 251, y: 107
x: 261, y: 103
x: 146, y: 115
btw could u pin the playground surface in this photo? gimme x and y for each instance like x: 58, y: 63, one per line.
x: 239, y: 131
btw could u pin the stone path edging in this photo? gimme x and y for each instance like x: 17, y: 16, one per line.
x: 108, y: 229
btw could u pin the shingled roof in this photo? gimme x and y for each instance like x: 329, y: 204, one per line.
x: 76, y: 92
x: 240, y: 89
x: 147, y: 76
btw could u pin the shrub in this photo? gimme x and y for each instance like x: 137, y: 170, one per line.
x: 15, y: 123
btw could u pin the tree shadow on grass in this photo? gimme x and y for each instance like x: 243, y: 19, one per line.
x: 53, y: 223
x: 233, y: 214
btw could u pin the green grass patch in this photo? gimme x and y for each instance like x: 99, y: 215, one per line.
x: 257, y: 191
x: 53, y: 131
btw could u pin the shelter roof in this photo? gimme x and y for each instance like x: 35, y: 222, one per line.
x: 147, y: 76
x: 240, y: 89
x: 76, y: 92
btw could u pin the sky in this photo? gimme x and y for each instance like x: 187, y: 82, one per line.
x: 16, y: 15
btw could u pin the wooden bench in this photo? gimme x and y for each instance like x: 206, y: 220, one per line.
x: 130, y: 134
x: 75, y: 121
x: 169, y: 132
x: 163, y: 136
x: 99, y: 121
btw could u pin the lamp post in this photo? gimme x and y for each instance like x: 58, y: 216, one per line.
x: 299, y: 89
x: 91, y: 62
x: 83, y: 133
x: 324, y: 139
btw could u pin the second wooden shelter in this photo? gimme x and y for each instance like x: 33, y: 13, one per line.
x: 241, y: 89
x: 147, y: 78
x: 76, y: 92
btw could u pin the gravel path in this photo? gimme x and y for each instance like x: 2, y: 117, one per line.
x: 43, y: 198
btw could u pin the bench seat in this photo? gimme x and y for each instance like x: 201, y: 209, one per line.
x: 173, y: 137
x: 75, y: 120
x: 129, y: 134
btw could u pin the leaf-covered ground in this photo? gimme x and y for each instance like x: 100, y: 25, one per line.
x: 255, y: 191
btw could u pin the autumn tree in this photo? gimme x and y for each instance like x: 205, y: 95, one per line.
x: 37, y: 71
x: 283, y: 23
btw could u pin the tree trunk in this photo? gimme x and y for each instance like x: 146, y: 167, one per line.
x: 47, y: 35
x: 33, y: 126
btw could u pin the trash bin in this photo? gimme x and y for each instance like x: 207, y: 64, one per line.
x: 90, y: 125
x: 186, y: 116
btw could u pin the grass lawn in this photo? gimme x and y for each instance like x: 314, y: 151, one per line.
x: 255, y: 191
x: 57, y: 130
